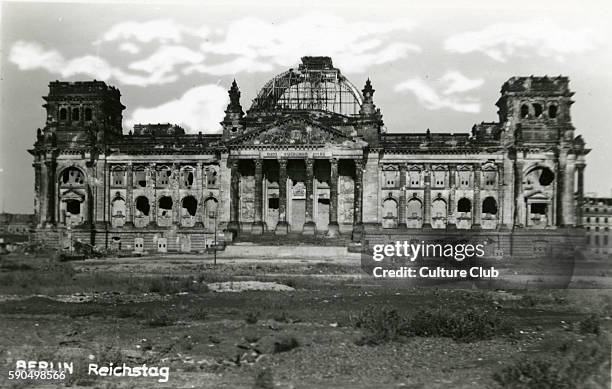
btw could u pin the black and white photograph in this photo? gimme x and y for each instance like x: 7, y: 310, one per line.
x: 288, y: 194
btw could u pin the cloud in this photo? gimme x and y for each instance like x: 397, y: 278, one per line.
x: 454, y: 84
x: 540, y: 37
x: 246, y: 45
x: 198, y: 109
x: 353, y: 45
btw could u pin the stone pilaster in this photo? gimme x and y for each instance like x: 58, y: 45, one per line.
x: 199, y: 189
x: 234, y: 223
x: 427, y: 198
x: 333, y: 228
x: 560, y: 187
x: 569, y: 202
x: 519, y: 207
x: 129, y: 202
x: 153, y: 200
x: 452, y: 185
x: 580, y: 194
x: 282, y: 227
x: 51, y: 195
x: 357, y: 215
x: 401, y: 223
x: 310, y: 227
x: 174, y: 185
x: 477, y: 207
x: 258, y: 224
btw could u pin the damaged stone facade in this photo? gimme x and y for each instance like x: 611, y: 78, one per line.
x: 310, y: 156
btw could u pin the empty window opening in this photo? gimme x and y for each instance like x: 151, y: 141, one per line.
x: 538, y: 208
x: 75, y: 114
x: 211, y: 178
x: 273, y: 203
x: 63, y: 114
x: 546, y: 177
x: 142, y: 205
x: 72, y: 176
x: 88, y: 114
x: 189, y: 180
x: 165, y: 205
x: 464, y: 205
x: 324, y: 201
x: 552, y: 111
x: 537, y: 110
x: 190, y: 204
x: 524, y: 111
x: 73, y: 207
x: 489, y: 205
x: 141, y: 178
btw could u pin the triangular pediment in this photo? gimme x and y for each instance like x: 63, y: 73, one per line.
x: 292, y: 132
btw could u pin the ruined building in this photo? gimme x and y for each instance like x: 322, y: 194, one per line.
x: 310, y: 156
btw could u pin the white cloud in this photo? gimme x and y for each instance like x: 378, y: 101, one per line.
x: 163, y: 31
x: 453, y: 84
x: 353, y: 45
x: 129, y: 47
x: 540, y: 37
x: 199, y: 109
x: 165, y: 59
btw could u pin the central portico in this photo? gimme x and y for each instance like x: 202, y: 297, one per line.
x: 297, y: 176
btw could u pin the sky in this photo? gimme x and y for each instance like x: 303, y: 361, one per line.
x: 432, y: 63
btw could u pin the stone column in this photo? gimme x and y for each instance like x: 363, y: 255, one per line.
x: 153, y: 201
x: 357, y: 220
x: 452, y: 185
x: 282, y: 227
x: 519, y: 203
x: 427, y: 198
x: 580, y: 194
x: 258, y: 224
x: 560, y: 187
x: 43, y: 196
x: 129, y: 203
x: 234, y: 223
x: 174, y: 185
x: 51, y: 195
x: 501, y: 187
x: 569, y: 202
x: 477, y: 207
x: 310, y: 227
x: 333, y: 229
x: 401, y: 214
x: 199, y: 186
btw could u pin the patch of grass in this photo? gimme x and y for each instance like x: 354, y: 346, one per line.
x: 251, y: 317
x: 264, y: 379
x: 381, y: 325
x: 469, y: 325
x: 159, y: 319
x: 173, y: 285
x: 574, y: 364
x: 198, y: 313
x: 590, y: 325
x: 286, y: 343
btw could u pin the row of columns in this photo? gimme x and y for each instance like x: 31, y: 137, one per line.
x: 282, y: 227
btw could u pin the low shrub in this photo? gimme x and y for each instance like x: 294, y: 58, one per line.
x: 381, y: 325
x: 285, y: 344
x: 574, y: 364
x: 468, y: 325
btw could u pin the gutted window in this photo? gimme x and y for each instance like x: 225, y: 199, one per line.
x: 72, y: 176
x: 546, y: 177
x: 142, y: 206
x: 464, y: 205
x: 524, y: 110
x: 73, y: 207
x: 273, y: 202
x: 75, y: 114
x: 117, y: 177
x: 140, y: 178
x: 88, y: 114
x: 538, y: 208
x: 211, y: 178
x: 190, y: 205
x: 187, y: 178
x: 489, y: 205
x: 63, y: 114
x: 552, y: 111
x: 163, y: 176
x: 165, y: 206
x: 537, y: 110
x: 490, y: 178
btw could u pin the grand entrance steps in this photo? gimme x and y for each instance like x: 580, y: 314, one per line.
x: 291, y: 239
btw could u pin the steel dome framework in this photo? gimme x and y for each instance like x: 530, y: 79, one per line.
x: 316, y: 85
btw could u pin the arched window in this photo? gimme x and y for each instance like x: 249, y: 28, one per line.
x: 163, y: 176
x: 390, y: 209
x: 63, y: 114
x: 552, y: 111
x: 537, y: 110
x: 72, y: 176
x: 489, y: 205
x: 546, y: 177
x: 438, y: 208
x: 210, y: 215
x: 414, y: 210
x: 211, y: 178
x: 524, y: 110
x: 142, y: 206
x: 165, y: 206
x: 190, y: 205
x: 75, y: 114
x: 464, y: 205
x: 187, y: 178
x: 88, y: 114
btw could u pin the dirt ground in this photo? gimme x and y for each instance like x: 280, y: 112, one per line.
x: 213, y: 330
